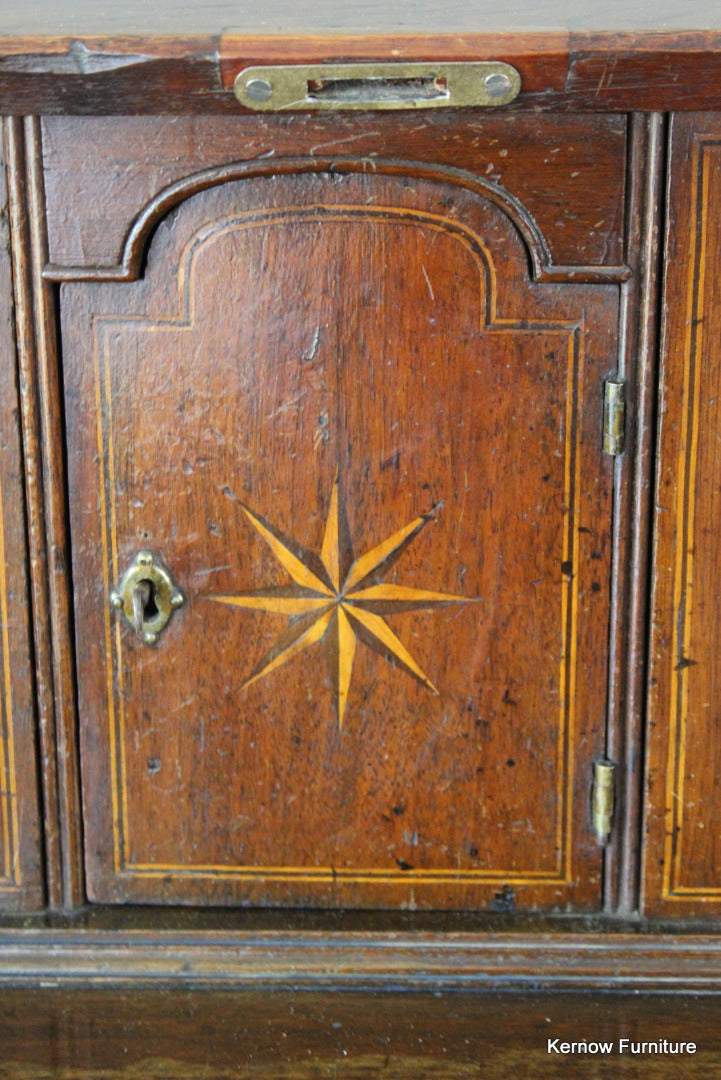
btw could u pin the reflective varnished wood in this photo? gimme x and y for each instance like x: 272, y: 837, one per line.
x: 55, y: 1035
x: 318, y: 362
x: 413, y: 394
x: 21, y: 874
x: 682, y: 865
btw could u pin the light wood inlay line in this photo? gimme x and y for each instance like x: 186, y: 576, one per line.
x: 11, y: 847
x: 683, y: 583
x: 567, y: 724
x: 109, y: 548
x: 490, y: 322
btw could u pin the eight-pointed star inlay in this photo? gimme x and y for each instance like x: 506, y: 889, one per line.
x: 337, y: 599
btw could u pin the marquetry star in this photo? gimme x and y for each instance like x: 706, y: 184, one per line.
x: 337, y: 599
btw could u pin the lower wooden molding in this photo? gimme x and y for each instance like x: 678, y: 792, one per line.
x: 360, y: 960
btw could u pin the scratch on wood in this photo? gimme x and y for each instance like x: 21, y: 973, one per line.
x: 428, y: 281
x: 347, y: 139
x: 292, y: 404
x: 313, y: 345
x: 184, y: 704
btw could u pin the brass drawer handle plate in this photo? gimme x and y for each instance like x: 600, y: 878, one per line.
x: 376, y: 86
x: 147, y: 597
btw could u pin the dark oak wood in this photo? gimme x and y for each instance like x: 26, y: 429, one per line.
x: 569, y: 177
x: 542, y: 61
x: 632, y: 508
x: 624, y: 73
x: 606, y: 71
x: 290, y: 1036
x: 682, y: 867
x: 24, y: 333
x: 57, y: 551
x: 40, y: 382
x: 134, y: 74
x: 359, y: 953
x: 418, y: 361
x: 305, y: 333
x: 21, y: 878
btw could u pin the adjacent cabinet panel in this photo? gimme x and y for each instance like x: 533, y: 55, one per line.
x: 683, y: 853
x: 20, y: 855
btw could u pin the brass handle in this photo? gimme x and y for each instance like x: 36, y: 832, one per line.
x: 147, y: 597
x: 376, y: 86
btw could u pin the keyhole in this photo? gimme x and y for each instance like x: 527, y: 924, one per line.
x: 147, y: 597
x: 151, y: 608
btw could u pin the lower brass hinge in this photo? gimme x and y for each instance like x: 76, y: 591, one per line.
x: 604, y: 798
x: 614, y: 416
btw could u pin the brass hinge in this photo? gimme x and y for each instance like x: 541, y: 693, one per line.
x: 614, y: 416
x: 604, y: 798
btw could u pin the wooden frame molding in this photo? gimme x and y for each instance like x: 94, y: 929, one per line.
x: 354, y: 961
x: 21, y: 873
x: 41, y: 396
x: 633, y: 481
x: 138, y: 238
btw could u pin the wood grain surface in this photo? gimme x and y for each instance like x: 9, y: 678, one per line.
x: 633, y: 496
x: 373, y: 343
x: 342, y: 376
x: 682, y: 864
x: 189, y: 1036
x: 671, y: 68
x: 568, y: 173
x: 112, y: 947
x: 21, y: 878
x: 40, y: 380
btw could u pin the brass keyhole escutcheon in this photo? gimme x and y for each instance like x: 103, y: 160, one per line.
x: 147, y: 597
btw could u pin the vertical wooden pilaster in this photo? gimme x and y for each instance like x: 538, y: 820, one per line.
x: 633, y: 486
x: 42, y: 412
x: 21, y: 860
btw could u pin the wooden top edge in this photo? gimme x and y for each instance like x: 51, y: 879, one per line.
x: 239, y: 42
x: 599, y: 71
x: 150, y: 45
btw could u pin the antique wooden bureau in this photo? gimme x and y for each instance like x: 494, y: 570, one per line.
x: 360, y: 483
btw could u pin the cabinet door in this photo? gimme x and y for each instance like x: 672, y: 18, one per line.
x: 20, y: 865
x: 683, y: 815
x: 366, y: 447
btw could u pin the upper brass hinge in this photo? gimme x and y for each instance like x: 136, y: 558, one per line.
x: 614, y: 416
x: 604, y: 798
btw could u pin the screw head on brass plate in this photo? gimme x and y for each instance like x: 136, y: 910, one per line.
x: 497, y: 85
x: 258, y: 89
